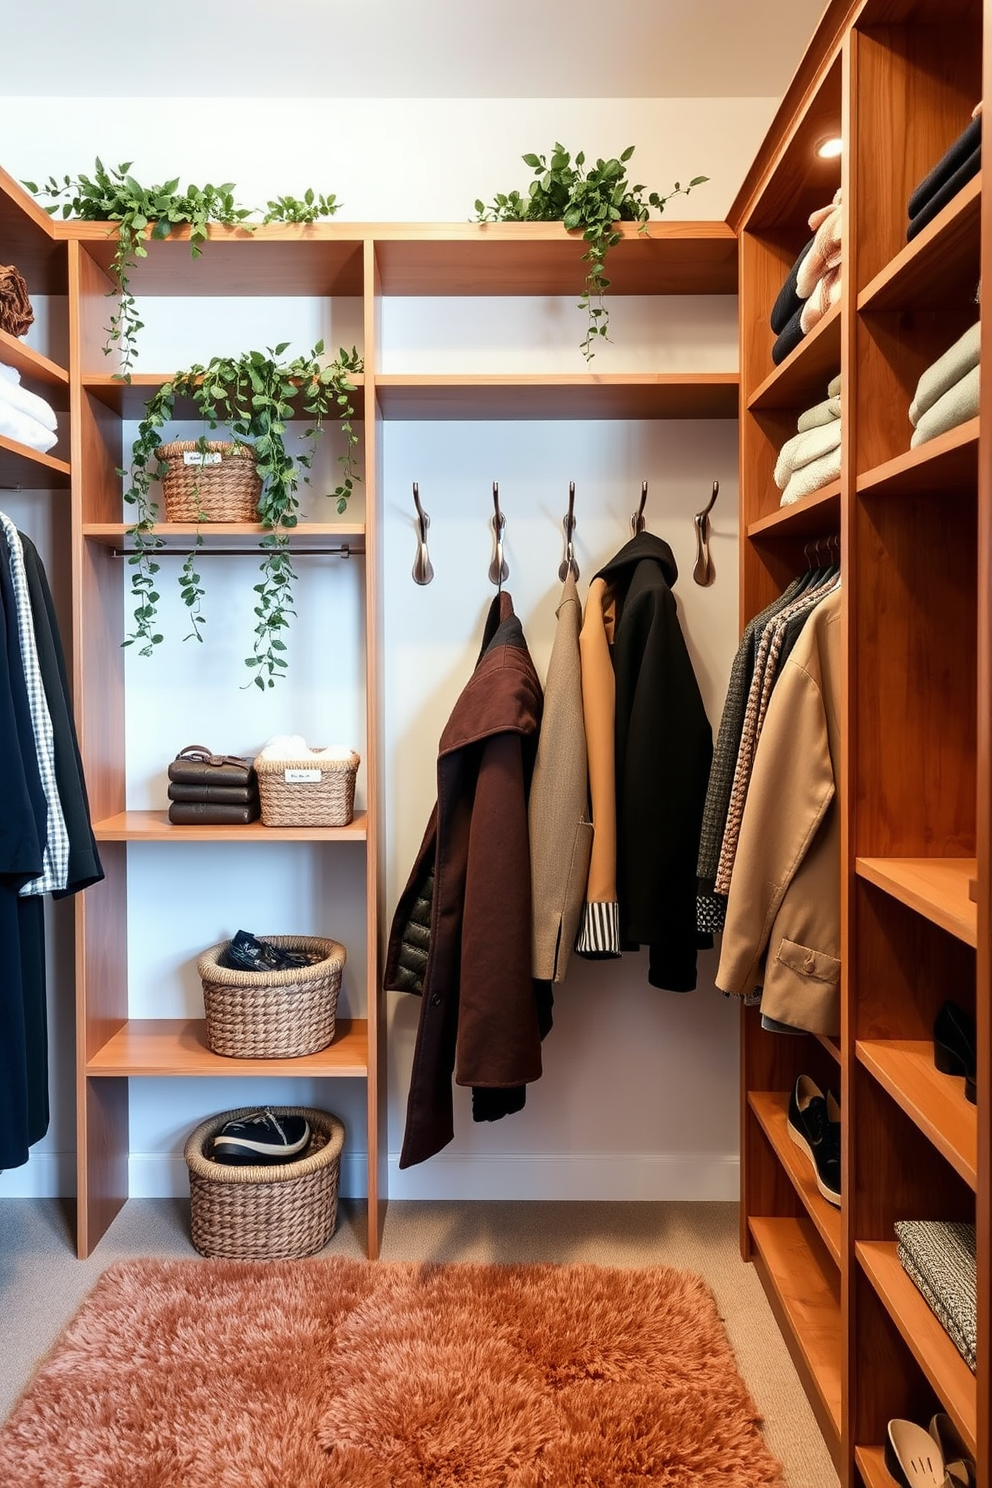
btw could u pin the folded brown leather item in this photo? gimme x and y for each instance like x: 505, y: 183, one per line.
x: 224, y: 795
x: 195, y: 765
x: 210, y: 814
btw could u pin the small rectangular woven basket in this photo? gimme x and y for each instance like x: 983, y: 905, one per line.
x: 276, y: 1212
x: 310, y: 792
x: 223, y: 488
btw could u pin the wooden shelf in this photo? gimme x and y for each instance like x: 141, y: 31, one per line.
x: 21, y: 466
x: 581, y: 395
x: 129, y: 398
x: 178, y: 1046
x: 805, y: 1302
x: 240, y: 535
x: 801, y: 380
x: 936, y: 888
x: 772, y: 1111
x: 947, y: 465
x: 871, y: 1465
x: 28, y: 235
x: 154, y: 826
x: 927, y: 1339
x: 935, y: 1102
x: 813, y: 516
x: 35, y: 368
x: 830, y: 1044
x: 940, y: 267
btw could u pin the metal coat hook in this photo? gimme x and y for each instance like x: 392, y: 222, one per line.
x: 423, y: 568
x: 704, y: 573
x: 498, y: 570
x: 568, y: 564
x: 637, y: 520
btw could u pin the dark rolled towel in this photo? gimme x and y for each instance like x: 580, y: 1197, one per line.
x: 965, y: 145
x: 944, y: 193
x: 789, y: 338
x: 788, y: 301
x: 15, y: 307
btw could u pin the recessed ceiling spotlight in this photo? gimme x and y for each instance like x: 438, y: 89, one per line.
x: 829, y: 149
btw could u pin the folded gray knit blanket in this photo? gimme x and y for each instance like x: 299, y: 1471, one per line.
x: 939, y: 1256
x: 945, y: 372
x: 956, y: 406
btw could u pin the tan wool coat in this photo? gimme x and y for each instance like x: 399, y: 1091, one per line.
x: 782, y: 930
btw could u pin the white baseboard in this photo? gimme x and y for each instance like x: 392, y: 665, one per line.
x: 542, y: 1175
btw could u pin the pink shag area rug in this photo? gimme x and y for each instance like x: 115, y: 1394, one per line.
x: 338, y: 1373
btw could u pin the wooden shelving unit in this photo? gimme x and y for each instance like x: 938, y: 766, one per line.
x: 897, y: 79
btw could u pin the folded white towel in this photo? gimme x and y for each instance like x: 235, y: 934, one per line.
x: 295, y: 747
x: 820, y: 413
x: 825, y: 250
x: 822, y: 297
x: 18, y: 397
x: 803, y: 448
x: 812, y: 477
x: 25, y: 430
x: 956, y: 406
x: 945, y: 372
x: 833, y: 387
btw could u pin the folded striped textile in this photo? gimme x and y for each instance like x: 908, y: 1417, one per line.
x: 820, y: 413
x: 802, y: 449
x: 812, y: 477
x: 967, y: 142
x: 945, y: 372
x: 27, y: 402
x: 956, y: 406
x: 940, y: 1258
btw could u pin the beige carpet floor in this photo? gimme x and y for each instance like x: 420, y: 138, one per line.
x: 42, y: 1283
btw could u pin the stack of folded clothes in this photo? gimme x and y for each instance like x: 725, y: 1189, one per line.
x: 952, y: 171
x: 23, y: 415
x: 813, y: 285
x: 811, y: 458
x: 939, y: 1257
x: 947, y: 392
x: 212, y: 790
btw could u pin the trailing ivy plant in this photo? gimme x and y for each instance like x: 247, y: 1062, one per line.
x: 254, y: 396
x: 592, y: 201
x: 152, y: 212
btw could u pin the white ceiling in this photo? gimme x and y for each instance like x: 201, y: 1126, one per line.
x: 405, y: 48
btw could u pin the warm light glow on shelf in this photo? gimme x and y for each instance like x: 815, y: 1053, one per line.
x: 829, y: 149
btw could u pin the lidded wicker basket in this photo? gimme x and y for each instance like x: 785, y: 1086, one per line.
x: 212, y: 490
x: 311, y: 792
x: 277, y: 1212
x: 272, y: 1014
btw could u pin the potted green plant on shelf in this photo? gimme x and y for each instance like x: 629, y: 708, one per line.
x: 255, y: 396
x: 592, y: 201
x: 141, y: 212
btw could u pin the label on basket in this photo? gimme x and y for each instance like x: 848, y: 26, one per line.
x: 196, y: 457
x: 298, y: 777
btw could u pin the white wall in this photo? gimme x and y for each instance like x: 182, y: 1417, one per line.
x: 639, y: 1097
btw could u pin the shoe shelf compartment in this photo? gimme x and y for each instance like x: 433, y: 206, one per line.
x: 928, y: 273
x: 178, y: 1046
x: 948, y: 463
x: 771, y: 1108
x: 870, y: 1462
x: 927, y: 1340
x: 936, y: 888
x: 803, y: 1288
x: 933, y: 1101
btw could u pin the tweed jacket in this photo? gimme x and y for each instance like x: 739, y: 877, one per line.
x: 479, y: 1014
x: 560, y: 830
x: 782, y: 931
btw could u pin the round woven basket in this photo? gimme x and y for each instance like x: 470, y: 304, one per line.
x: 327, y: 800
x: 265, y: 1213
x: 224, y: 492
x: 272, y: 1014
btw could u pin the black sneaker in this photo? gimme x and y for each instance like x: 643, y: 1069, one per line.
x: 814, y: 1125
x: 261, y: 1137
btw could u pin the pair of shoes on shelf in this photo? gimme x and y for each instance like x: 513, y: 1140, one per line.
x: 260, y: 1139
x: 814, y: 1126
x: 954, y: 1045
x: 937, y: 1458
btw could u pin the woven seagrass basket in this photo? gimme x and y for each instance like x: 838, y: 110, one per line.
x: 272, y: 1014
x: 324, y: 798
x: 224, y: 492
x: 265, y: 1213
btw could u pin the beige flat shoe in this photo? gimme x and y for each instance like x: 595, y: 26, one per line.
x: 913, y: 1457
x: 960, y: 1466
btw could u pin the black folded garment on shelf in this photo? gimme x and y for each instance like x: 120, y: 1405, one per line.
x: 788, y: 302
x: 210, y: 814
x: 789, y: 338
x: 967, y: 142
x: 945, y: 193
x: 224, y: 795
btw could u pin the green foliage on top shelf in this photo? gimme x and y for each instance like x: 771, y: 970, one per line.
x: 592, y: 201
x: 254, y: 396
x: 153, y: 211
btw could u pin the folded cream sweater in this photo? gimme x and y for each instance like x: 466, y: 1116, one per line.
x: 948, y: 369
x: 956, y: 406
